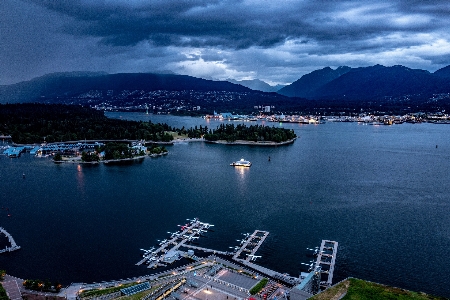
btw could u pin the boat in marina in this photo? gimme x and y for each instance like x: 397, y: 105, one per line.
x: 241, y: 163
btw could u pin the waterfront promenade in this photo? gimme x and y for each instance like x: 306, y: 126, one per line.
x: 210, y: 278
x: 11, y: 285
x: 16, y: 291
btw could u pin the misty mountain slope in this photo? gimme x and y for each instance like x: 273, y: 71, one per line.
x: 376, y: 82
x: 32, y: 90
x: 257, y: 85
x: 443, y: 72
x: 72, y: 84
x: 307, y: 85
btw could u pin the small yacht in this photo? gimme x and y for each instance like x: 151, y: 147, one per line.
x: 241, y: 163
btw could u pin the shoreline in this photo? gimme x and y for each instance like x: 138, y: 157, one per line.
x: 157, y: 155
x: 123, y: 159
x: 79, y: 161
x: 251, y: 143
x: 188, y: 140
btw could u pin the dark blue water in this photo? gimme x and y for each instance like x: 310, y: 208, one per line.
x: 382, y: 192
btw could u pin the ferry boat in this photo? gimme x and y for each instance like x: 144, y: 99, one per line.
x: 241, y: 163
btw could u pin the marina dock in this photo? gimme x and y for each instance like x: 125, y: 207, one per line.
x: 326, y: 259
x: 218, y: 276
x: 168, y: 250
x: 320, y: 274
x: 14, y: 151
x: 13, y: 246
x: 255, y: 239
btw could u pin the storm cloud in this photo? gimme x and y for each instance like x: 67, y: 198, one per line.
x: 276, y: 41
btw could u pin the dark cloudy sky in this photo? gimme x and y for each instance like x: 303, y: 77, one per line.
x: 277, y: 41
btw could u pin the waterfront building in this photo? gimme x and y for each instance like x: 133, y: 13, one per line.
x: 311, y: 283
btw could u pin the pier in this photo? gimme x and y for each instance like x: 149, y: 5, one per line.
x: 326, y: 259
x: 206, y: 249
x: 168, y: 254
x: 259, y: 235
x: 319, y: 276
x: 14, y: 151
x: 13, y: 246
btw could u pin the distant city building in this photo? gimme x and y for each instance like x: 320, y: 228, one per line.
x: 266, y: 108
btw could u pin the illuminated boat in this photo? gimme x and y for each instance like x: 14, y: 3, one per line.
x: 241, y: 163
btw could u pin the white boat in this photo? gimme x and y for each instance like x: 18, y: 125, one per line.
x: 241, y: 163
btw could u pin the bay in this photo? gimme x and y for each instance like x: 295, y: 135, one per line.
x: 382, y: 192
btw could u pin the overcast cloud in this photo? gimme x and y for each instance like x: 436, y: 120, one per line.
x: 275, y: 41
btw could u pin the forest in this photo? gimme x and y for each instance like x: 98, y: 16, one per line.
x: 37, y: 123
x: 255, y: 133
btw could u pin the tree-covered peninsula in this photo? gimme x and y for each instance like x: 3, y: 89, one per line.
x: 253, y: 133
x: 36, y: 123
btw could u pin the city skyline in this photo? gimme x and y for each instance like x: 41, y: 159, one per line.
x: 277, y: 42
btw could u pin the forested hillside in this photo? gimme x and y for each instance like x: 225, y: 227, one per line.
x: 36, y: 123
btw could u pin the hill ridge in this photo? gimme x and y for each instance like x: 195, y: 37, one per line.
x: 369, y: 83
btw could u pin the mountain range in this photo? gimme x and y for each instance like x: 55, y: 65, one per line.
x: 341, y: 87
x: 369, y: 83
x: 58, y: 85
x: 257, y: 85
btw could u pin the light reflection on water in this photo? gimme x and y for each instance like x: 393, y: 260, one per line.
x: 80, y: 180
x: 242, y: 172
x: 242, y: 176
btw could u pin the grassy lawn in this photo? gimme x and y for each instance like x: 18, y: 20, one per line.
x: 356, y: 289
x: 334, y: 292
x: 259, y: 286
x: 140, y: 295
x: 99, y: 292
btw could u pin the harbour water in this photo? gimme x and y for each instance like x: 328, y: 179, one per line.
x: 382, y: 192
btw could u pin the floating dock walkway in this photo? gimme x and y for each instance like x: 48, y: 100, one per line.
x: 258, y: 235
x: 13, y: 247
x: 326, y: 259
x: 190, y: 231
x: 205, y: 249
